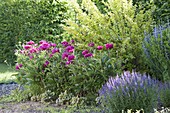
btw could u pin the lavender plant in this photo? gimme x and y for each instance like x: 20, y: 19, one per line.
x: 130, y: 91
x: 157, y: 52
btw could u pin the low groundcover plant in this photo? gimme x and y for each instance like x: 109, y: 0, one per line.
x: 132, y: 91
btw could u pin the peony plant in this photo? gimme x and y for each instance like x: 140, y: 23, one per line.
x: 94, y: 65
x: 44, y: 65
x: 60, y: 67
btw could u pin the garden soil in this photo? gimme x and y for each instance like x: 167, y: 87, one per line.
x: 28, y: 107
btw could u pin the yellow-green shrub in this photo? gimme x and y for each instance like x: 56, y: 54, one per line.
x: 120, y: 25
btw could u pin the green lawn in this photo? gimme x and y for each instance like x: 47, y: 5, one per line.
x: 6, y: 73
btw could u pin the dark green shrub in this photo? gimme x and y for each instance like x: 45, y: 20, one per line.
x: 161, y: 11
x: 157, y: 52
x: 29, y: 20
x: 98, y: 3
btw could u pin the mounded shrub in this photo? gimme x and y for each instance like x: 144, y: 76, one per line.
x: 120, y: 24
x: 56, y: 68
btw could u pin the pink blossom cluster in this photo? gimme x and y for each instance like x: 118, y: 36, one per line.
x: 18, y: 66
x: 86, y: 53
x: 68, y: 53
x: 31, y: 49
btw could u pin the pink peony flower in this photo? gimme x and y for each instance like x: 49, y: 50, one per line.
x: 64, y: 55
x: 109, y: 46
x: 22, y: 52
x: 72, y: 41
x: 51, y: 55
x: 85, y: 52
x: 27, y: 47
x: 70, y: 49
x: 30, y: 42
x: 33, y: 50
x: 46, y: 63
x: 35, y: 44
x: 91, y: 44
x: 71, y: 57
x: 18, y: 66
x: 45, y: 46
x: 88, y: 55
x: 55, y: 50
x: 65, y: 43
x: 53, y: 44
x: 68, y: 62
x: 31, y: 57
x: 42, y: 41
x: 99, y: 47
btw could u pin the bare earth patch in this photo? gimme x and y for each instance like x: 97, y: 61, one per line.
x: 28, y: 107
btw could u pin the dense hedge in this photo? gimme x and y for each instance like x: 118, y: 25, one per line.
x: 29, y: 20
x: 161, y: 12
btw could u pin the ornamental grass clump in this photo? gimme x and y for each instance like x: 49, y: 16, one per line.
x: 130, y: 91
